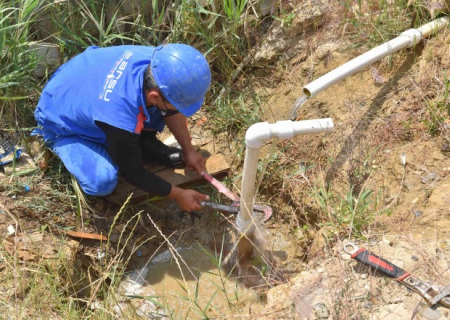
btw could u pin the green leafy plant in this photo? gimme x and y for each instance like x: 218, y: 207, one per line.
x: 349, y: 213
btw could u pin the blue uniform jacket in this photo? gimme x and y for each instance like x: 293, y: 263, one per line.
x: 104, y: 84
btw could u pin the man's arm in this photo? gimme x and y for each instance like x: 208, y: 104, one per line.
x: 123, y: 146
x: 177, y: 125
x: 124, y: 149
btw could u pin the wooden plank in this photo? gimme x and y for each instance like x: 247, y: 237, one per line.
x: 215, y: 165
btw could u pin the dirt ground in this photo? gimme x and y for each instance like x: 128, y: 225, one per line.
x: 380, y: 133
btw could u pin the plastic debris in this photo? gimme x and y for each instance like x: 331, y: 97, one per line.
x: 11, y: 230
x: 100, y: 254
x: 8, y: 152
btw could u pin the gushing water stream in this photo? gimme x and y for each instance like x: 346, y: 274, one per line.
x: 298, y: 103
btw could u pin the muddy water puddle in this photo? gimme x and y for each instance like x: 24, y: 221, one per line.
x: 195, y: 288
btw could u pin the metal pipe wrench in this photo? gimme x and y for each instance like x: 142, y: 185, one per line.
x: 234, y: 206
x: 432, y: 293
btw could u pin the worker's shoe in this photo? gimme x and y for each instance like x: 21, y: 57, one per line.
x: 153, y: 150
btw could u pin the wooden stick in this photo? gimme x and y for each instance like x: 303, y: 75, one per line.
x: 85, y: 235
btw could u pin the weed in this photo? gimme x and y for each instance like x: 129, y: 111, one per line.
x: 235, y: 115
x: 285, y: 18
x: 439, y: 109
x: 375, y: 22
x: 17, y: 85
x: 348, y: 212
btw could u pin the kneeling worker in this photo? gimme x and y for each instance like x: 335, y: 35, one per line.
x: 101, y: 110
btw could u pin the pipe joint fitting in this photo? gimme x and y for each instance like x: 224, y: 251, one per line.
x: 257, y: 134
x: 244, y: 226
x: 414, y: 36
x: 282, y: 130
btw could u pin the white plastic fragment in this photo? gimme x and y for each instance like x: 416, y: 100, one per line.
x: 11, y: 230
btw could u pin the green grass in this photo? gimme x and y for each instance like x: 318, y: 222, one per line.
x: 18, y: 88
x: 235, y: 114
x: 348, y: 213
x: 439, y: 109
x: 371, y: 23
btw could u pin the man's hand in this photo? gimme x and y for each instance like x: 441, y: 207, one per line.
x: 188, y: 200
x: 195, y: 161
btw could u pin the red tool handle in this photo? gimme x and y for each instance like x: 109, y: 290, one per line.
x: 379, y: 264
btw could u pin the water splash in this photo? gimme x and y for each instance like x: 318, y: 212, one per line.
x: 298, y: 103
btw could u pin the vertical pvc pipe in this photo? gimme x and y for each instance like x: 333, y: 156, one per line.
x: 248, y: 187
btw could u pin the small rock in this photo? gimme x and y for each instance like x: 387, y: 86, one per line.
x: 321, y: 311
x: 368, y: 305
x: 417, y: 213
x: 346, y: 256
x: 364, y: 276
x: 397, y: 300
x: 100, y: 254
x: 445, y: 148
x: 414, y: 258
x: 388, y: 241
x: 321, y: 270
x: 398, y: 263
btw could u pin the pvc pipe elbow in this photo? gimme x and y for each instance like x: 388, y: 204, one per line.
x: 257, y: 134
x: 260, y: 132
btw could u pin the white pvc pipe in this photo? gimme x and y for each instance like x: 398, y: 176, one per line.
x: 248, y: 187
x: 406, y: 39
x: 255, y: 137
x: 431, y: 27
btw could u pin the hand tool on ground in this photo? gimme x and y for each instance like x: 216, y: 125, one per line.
x: 432, y: 293
x: 234, y: 206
